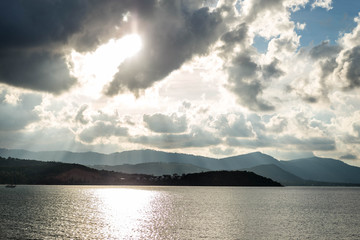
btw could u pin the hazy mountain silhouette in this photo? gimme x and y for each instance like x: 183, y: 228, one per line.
x: 58, y: 156
x: 278, y: 174
x: 143, y: 156
x: 246, y: 161
x: 322, y: 169
x: 119, y: 158
x: 307, y: 171
x: 292, y: 172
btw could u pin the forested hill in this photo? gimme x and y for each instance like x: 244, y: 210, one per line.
x: 36, y: 172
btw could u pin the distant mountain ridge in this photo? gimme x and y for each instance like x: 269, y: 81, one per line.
x: 38, y: 172
x: 118, y: 158
x: 248, y: 160
x: 278, y: 174
x: 293, y: 172
x: 143, y: 156
x: 322, y: 169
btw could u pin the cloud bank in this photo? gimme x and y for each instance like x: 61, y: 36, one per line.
x: 213, y: 78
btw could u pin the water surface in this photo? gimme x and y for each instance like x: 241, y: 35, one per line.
x: 112, y: 212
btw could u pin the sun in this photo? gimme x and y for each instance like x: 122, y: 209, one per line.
x: 130, y: 45
x: 95, y: 69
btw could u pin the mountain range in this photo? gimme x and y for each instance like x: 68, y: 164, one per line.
x: 306, y: 171
x: 18, y: 171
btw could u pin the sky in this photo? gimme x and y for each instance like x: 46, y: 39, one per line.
x: 212, y: 78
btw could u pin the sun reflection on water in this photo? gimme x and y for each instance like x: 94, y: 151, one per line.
x: 126, y: 213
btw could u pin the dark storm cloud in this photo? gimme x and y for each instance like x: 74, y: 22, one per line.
x: 272, y: 70
x: 53, y: 23
x: 196, y: 138
x: 44, y: 71
x: 244, y: 66
x: 244, y: 82
x: 161, y: 123
x: 175, y: 33
x: 233, y: 38
x: 30, y: 33
x: 351, y: 63
x: 102, y: 129
x: 35, y: 36
x: 237, y: 35
x: 17, y: 116
x: 28, y: 24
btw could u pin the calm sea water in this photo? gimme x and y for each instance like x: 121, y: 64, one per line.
x: 91, y: 212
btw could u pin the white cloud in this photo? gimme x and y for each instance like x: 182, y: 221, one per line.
x: 161, y: 123
x: 195, y: 139
x: 16, y: 114
x: 300, y: 26
x: 103, y: 131
x: 327, y: 4
x: 234, y: 125
x: 347, y: 69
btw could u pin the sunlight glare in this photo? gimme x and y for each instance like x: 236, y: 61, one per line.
x: 94, y: 70
x: 126, y: 210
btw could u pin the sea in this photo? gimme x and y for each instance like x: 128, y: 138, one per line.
x: 146, y: 212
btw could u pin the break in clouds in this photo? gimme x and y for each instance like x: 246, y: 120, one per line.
x: 36, y: 39
x: 211, y: 78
